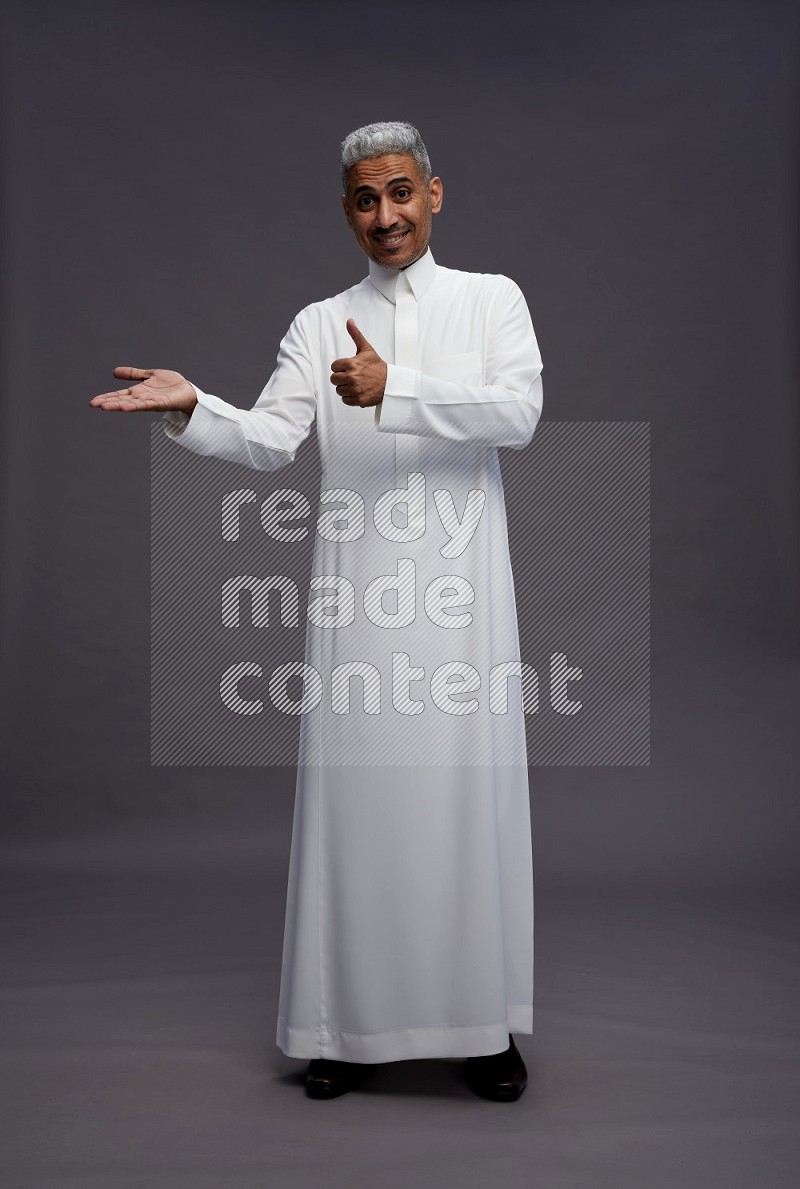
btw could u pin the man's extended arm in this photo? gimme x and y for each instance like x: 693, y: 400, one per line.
x: 267, y: 436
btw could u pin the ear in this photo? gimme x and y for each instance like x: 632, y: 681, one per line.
x: 435, y: 189
x: 346, y: 210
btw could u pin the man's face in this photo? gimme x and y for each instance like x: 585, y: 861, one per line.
x: 390, y: 208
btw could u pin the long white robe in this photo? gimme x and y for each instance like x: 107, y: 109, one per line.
x: 409, y: 914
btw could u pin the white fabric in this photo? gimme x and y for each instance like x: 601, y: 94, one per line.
x: 409, y: 914
x: 406, y: 354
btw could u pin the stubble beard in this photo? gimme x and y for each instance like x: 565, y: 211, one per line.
x: 419, y: 254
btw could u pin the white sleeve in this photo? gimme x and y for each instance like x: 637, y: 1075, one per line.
x: 267, y: 436
x: 504, y: 411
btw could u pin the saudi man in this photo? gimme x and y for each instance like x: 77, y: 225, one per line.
x: 409, y: 912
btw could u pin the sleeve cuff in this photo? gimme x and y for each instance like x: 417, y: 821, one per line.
x: 393, y: 413
x: 177, y: 423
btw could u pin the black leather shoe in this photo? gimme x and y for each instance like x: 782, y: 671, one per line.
x: 329, y: 1079
x: 499, y: 1076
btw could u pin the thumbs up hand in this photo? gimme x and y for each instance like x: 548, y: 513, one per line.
x: 359, y: 379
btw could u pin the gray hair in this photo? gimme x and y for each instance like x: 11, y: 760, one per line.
x: 375, y: 140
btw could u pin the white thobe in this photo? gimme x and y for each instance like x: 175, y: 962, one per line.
x: 409, y: 914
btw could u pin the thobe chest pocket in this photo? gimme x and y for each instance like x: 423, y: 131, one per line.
x: 467, y: 367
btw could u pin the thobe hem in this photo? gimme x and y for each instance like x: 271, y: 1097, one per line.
x: 405, y: 1044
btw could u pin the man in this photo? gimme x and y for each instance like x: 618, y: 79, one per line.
x: 409, y: 914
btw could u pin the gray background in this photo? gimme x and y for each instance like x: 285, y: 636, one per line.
x: 170, y: 198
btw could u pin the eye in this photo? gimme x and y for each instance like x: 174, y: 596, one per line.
x: 403, y: 191
x: 364, y: 199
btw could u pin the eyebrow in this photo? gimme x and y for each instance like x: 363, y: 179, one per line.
x: 365, y: 186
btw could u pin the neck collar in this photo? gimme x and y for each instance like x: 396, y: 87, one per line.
x: 419, y: 276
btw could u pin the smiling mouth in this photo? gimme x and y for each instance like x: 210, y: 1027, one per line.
x: 392, y: 240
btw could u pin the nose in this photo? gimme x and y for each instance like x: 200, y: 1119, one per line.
x: 386, y: 212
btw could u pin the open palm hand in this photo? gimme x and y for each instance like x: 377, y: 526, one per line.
x: 157, y: 391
